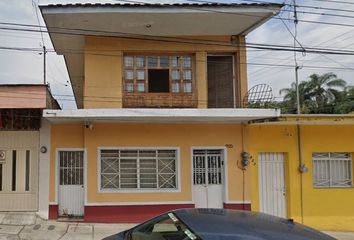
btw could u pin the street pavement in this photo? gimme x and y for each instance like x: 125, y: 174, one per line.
x: 15, y: 226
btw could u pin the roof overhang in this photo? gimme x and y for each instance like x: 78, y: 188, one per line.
x: 68, y: 24
x: 221, y: 116
x: 309, y: 119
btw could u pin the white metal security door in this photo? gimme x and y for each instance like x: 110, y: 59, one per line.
x: 208, y: 178
x: 272, y: 184
x: 71, y: 183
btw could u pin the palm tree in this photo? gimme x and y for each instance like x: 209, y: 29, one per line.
x: 324, y: 89
x: 344, y: 101
x: 289, y: 104
x: 320, y: 94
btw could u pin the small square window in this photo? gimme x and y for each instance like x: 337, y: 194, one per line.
x: 187, y: 75
x: 187, y: 62
x: 164, y: 62
x: 187, y: 87
x: 128, y: 61
x: 140, y: 62
x: 175, y: 87
x: 175, y: 61
x: 141, y: 87
x: 152, y: 61
x: 129, y: 75
x: 176, y: 75
x: 129, y: 87
x: 140, y: 74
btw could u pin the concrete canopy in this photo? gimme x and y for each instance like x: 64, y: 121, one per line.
x: 153, y: 115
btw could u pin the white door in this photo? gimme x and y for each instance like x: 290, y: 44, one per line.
x: 272, y: 184
x: 71, y: 183
x: 208, y: 178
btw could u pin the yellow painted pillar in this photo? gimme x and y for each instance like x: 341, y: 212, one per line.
x: 201, y: 79
x: 103, y: 77
x: 241, y: 68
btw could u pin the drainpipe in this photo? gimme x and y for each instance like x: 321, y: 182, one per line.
x: 243, y: 167
x: 302, y: 169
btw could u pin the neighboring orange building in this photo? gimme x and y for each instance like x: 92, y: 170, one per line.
x: 159, y: 89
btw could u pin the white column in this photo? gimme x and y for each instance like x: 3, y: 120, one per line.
x: 44, y: 171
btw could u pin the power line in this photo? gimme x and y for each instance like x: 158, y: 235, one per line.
x: 251, y: 63
x: 299, y: 5
x: 334, y: 1
x: 39, y: 24
x: 213, y: 43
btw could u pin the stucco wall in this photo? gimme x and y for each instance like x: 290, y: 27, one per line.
x: 103, y: 65
x: 327, y: 209
x: 184, y: 136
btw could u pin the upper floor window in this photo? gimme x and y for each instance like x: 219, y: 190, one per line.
x: 332, y: 169
x: 158, y: 74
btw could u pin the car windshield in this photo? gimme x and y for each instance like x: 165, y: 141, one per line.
x: 164, y: 227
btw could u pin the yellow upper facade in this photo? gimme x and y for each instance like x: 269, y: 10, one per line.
x: 111, y: 81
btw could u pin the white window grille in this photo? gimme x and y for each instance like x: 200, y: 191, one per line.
x: 138, y: 169
x: 332, y: 170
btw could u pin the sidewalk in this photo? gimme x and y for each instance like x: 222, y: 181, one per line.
x: 29, y: 226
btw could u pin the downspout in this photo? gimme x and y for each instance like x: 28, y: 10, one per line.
x: 243, y: 168
x: 301, y: 170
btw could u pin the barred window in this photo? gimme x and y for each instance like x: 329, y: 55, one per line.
x: 332, y: 170
x: 138, y: 169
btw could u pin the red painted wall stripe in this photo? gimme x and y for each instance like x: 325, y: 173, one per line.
x: 238, y: 206
x: 133, y: 213
x: 53, y: 211
x: 128, y: 214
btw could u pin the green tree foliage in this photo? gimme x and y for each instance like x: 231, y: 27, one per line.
x: 319, y: 94
x: 326, y: 94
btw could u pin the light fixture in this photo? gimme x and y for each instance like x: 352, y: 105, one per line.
x: 43, y: 149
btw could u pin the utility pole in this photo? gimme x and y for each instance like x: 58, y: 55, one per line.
x: 302, y: 168
x: 44, y: 65
x: 296, y: 21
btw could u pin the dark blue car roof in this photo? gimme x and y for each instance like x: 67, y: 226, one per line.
x: 231, y: 224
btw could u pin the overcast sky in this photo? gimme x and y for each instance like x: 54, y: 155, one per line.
x: 27, y: 67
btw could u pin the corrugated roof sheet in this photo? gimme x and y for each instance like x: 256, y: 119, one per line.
x: 138, y: 4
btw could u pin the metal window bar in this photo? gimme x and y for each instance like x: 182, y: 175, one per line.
x: 207, y: 167
x: 71, y: 169
x: 139, y: 169
x: 332, y: 170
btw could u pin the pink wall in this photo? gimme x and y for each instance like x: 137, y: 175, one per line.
x: 23, y: 96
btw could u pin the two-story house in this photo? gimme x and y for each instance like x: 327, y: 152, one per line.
x: 159, y: 124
